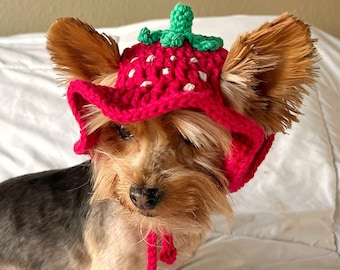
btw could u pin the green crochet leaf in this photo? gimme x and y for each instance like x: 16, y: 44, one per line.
x: 180, y: 29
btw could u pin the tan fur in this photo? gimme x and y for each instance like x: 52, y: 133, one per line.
x: 182, y: 152
x: 81, y: 52
x: 266, y: 71
x: 157, y: 156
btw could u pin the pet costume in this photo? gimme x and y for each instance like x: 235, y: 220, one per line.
x: 169, y: 70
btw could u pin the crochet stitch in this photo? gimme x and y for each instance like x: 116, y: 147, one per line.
x: 169, y: 70
x: 154, y: 79
x: 180, y: 29
x: 151, y: 243
x: 167, y: 254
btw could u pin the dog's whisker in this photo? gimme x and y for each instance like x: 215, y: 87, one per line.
x: 78, y: 187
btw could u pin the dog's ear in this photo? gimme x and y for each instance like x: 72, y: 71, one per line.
x: 266, y: 71
x: 80, y: 52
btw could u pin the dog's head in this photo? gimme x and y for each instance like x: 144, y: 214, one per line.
x: 173, y: 125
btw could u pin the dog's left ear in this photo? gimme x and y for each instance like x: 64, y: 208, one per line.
x: 266, y: 71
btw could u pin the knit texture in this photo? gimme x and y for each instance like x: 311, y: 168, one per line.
x: 151, y: 244
x: 173, y: 69
x: 167, y: 253
x: 180, y: 30
x: 169, y: 70
x: 154, y: 79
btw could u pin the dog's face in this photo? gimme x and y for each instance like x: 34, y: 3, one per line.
x: 168, y: 171
x: 165, y: 171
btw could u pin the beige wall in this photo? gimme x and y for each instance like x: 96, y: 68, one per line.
x: 20, y: 16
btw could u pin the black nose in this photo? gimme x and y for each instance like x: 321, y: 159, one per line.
x: 145, y: 198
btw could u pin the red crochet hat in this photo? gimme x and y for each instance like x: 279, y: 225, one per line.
x: 168, y: 70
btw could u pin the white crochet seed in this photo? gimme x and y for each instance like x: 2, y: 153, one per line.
x: 145, y: 83
x: 172, y: 58
x: 203, y: 76
x: 193, y: 60
x: 150, y: 58
x: 189, y: 87
x: 133, y: 59
x: 131, y: 73
x: 165, y: 71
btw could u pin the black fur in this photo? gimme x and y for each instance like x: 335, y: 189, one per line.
x: 47, y: 210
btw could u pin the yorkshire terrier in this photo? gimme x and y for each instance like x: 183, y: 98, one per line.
x: 172, y: 126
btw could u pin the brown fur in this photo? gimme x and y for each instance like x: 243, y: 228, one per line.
x: 266, y: 71
x: 180, y: 153
x: 80, y: 51
x: 158, y: 156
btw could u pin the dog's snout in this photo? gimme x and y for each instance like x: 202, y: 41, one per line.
x: 145, y: 198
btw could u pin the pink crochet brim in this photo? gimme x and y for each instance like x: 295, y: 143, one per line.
x: 249, y: 145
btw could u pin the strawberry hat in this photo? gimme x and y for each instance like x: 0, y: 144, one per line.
x: 169, y: 70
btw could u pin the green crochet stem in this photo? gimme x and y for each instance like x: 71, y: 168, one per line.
x: 180, y: 29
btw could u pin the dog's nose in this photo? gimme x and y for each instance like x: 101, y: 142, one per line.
x: 145, y: 198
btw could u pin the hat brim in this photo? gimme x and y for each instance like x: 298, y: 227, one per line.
x: 249, y: 143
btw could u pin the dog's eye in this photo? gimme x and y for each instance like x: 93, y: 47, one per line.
x: 124, y: 133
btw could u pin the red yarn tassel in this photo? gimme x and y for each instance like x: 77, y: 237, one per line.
x: 168, y: 253
x: 151, y: 242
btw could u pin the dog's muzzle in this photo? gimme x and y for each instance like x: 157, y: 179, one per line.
x: 145, y: 198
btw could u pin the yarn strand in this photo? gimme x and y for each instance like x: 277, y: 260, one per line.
x: 181, y: 19
x: 151, y: 242
x: 167, y: 254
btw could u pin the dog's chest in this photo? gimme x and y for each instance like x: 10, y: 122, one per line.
x: 117, y: 243
x: 112, y: 242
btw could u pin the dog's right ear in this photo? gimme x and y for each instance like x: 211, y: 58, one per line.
x: 80, y: 52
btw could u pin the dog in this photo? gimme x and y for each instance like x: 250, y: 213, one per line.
x: 172, y: 126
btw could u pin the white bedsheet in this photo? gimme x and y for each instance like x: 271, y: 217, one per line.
x: 287, y: 217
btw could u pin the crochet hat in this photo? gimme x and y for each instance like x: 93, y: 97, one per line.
x: 169, y: 70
